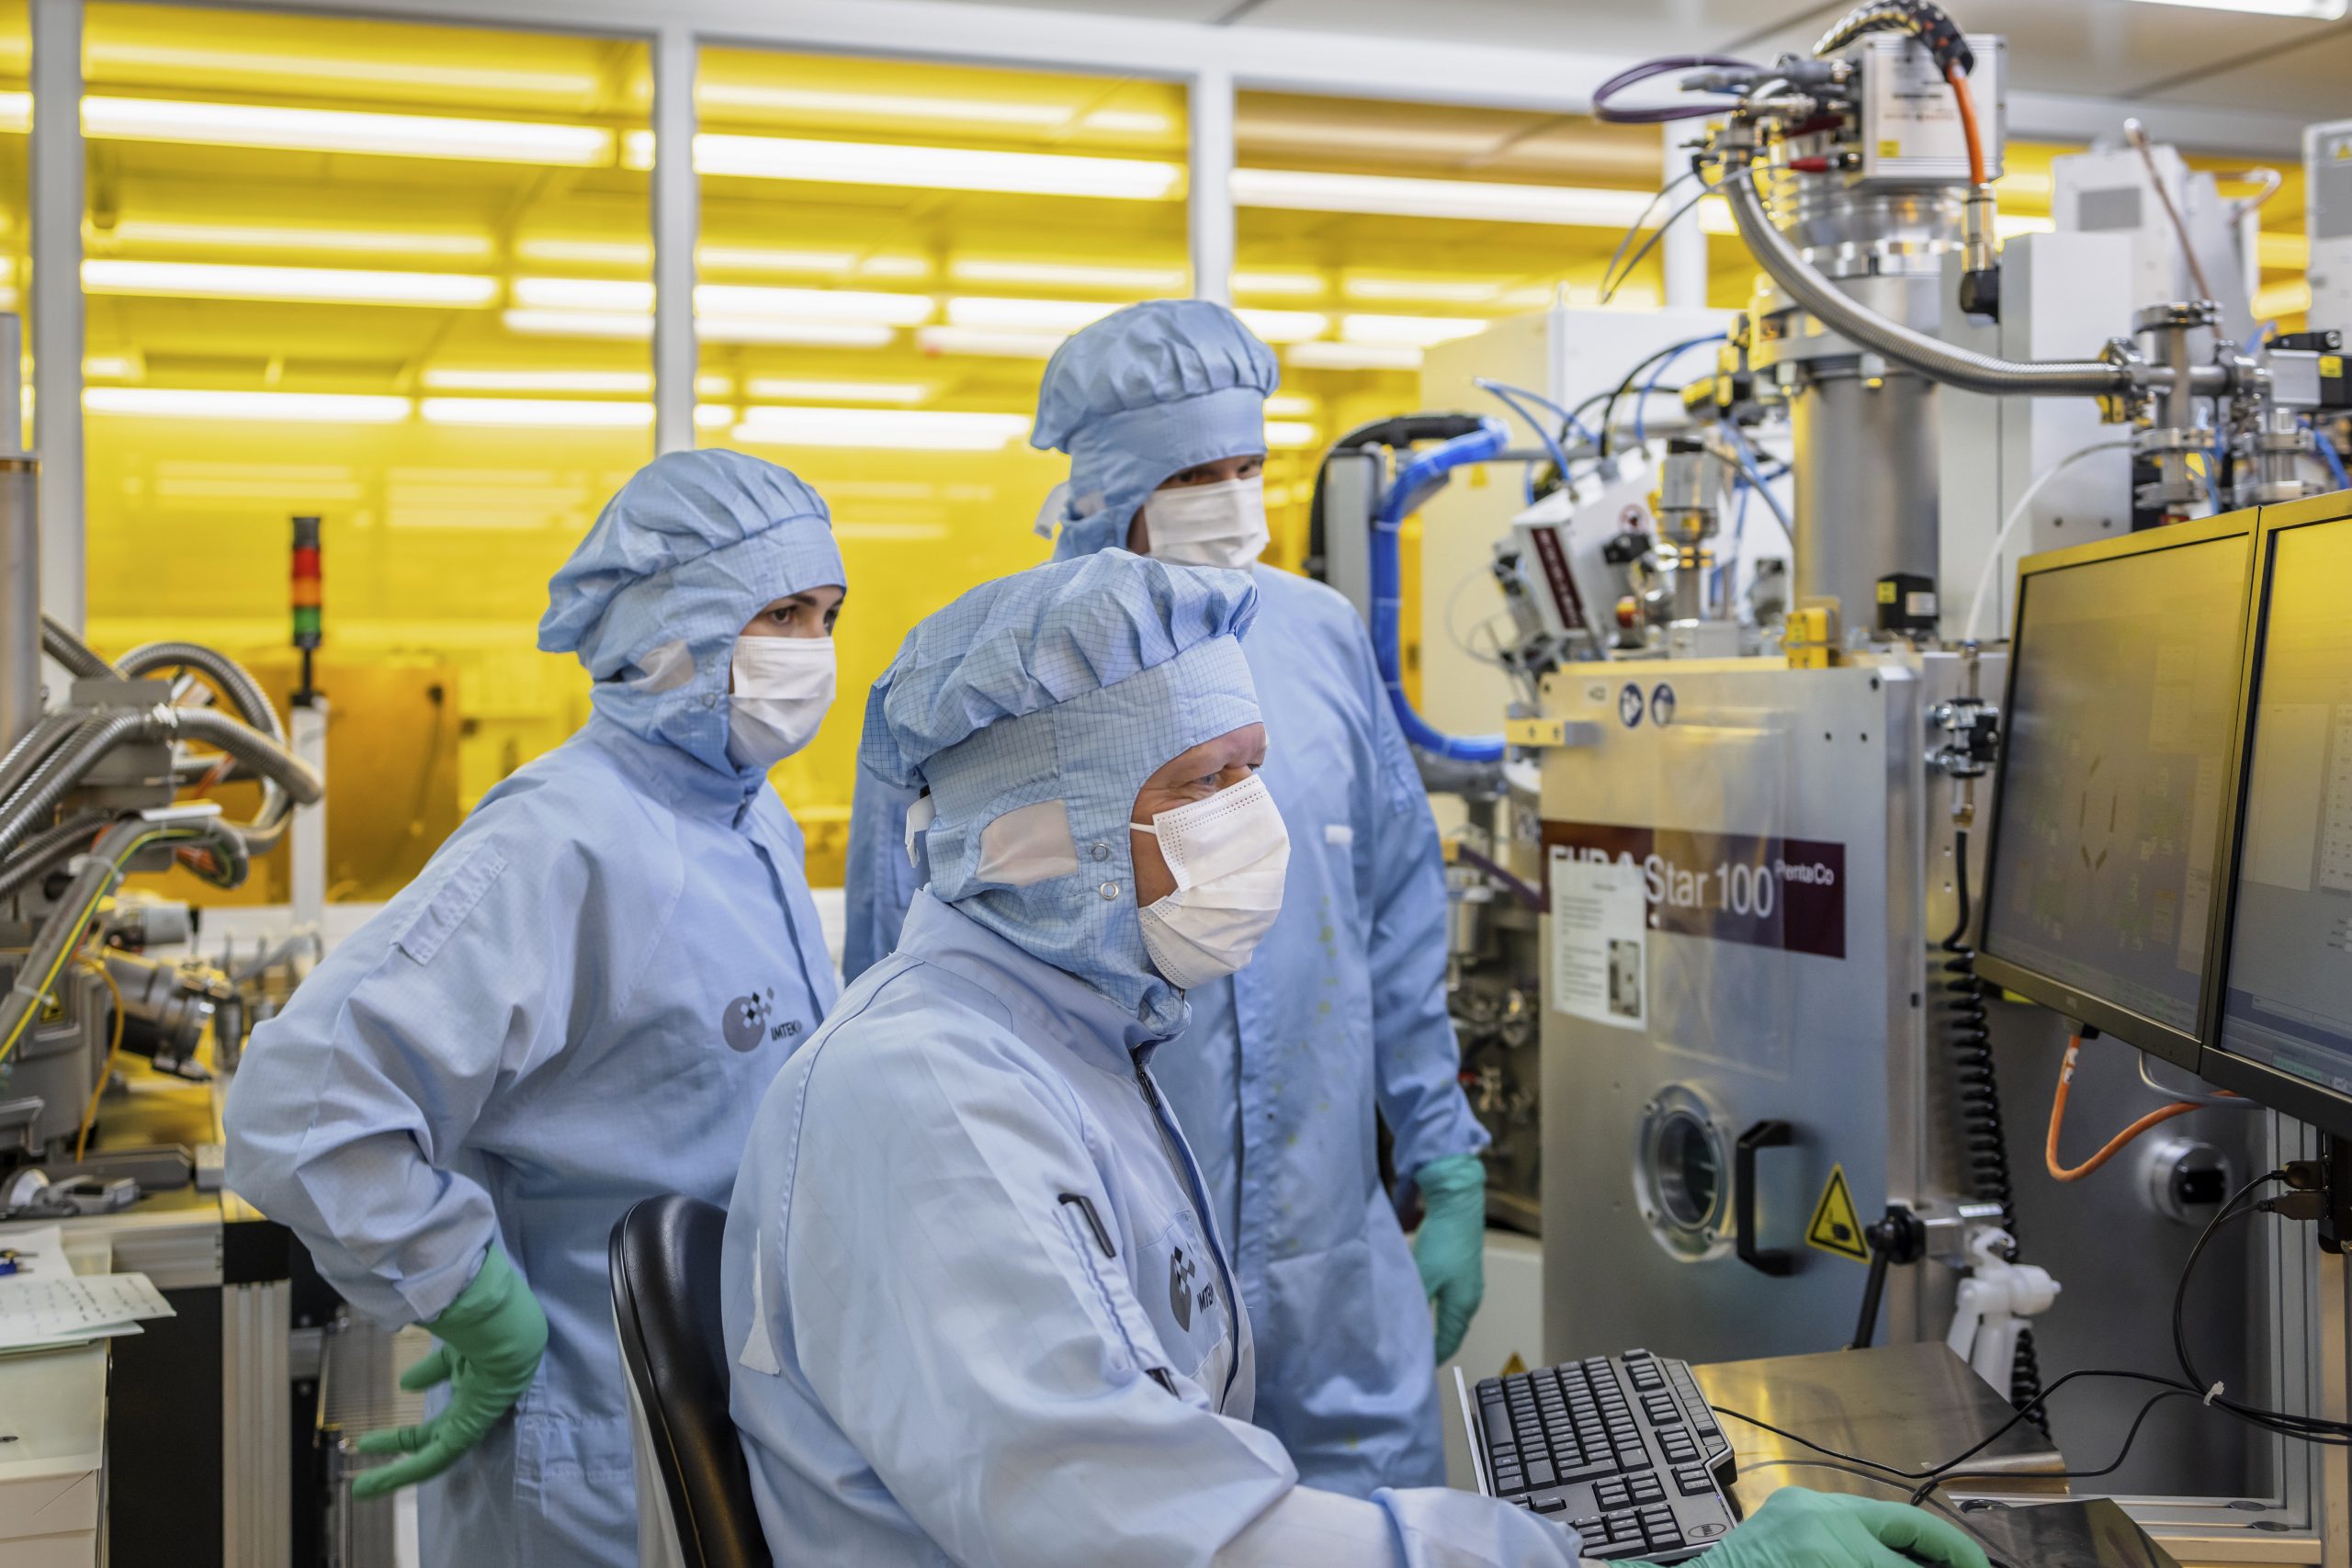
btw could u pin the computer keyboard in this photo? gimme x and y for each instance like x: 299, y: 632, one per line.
x: 1623, y: 1449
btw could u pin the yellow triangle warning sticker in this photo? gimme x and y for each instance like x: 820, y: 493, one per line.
x: 1835, y: 1228
x: 1513, y: 1367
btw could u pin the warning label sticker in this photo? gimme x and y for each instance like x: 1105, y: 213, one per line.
x: 1835, y: 1228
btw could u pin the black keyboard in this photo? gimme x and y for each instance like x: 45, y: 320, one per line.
x: 1623, y: 1449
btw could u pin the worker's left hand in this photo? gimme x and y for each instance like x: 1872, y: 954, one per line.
x: 491, y: 1340
x: 1451, y: 1249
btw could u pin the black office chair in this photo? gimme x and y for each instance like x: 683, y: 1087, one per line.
x: 664, y: 1264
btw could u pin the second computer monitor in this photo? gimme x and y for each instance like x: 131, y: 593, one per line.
x: 2104, y: 875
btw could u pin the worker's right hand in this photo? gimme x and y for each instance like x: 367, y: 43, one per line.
x: 1797, y: 1529
x: 491, y: 1338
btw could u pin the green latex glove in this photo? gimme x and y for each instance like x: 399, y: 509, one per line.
x: 1451, y: 1249
x: 1797, y: 1529
x: 491, y: 1338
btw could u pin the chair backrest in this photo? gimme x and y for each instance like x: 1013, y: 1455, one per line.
x: 665, y: 1266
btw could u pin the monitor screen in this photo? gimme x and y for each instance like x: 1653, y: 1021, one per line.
x: 2288, y: 1003
x: 2114, y: 782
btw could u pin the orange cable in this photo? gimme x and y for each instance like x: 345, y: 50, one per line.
x: 1968, y: 125
x: 2061, y: 1172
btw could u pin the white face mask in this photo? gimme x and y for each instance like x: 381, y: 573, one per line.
x: 1218, y: 524
x: 1228, y: 855
x: 783, y: 686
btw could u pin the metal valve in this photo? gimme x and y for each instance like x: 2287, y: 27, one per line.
x: 1965, y: 736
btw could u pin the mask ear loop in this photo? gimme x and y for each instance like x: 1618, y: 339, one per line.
x: 919, y: 817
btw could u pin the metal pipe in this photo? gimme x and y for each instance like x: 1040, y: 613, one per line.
x: 51, y: 847
x: 25, y: 758
x: 20, y: 612
x: 29, y: 807
x: 236, y: 683
x: 1930, y: 356
x: 58, y: 642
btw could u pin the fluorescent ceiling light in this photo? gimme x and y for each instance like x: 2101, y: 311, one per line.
x: 234, y: 55
x: 1071, y: 274
x: 581, y: 294
x: 1127, y: 122
x: 1282, y: 405
x: 347, y: 130
x: 1472, y: 200
x: 112, y: 367
x: 709, y: 386
x: 927, y: 168
x: 988, y: 344
x: 542, y: 412
x: 1290, y: 285
x: 811, y: 334
x: 727, y: 299
x: 172, y: 402
x: 864, y: 306
x: 712, y: 416
x: 457, y: 380
x: 1286, y: 326
x: 834, y: 104
x: 788, y: 390
x: 585, y: 253
x: 920, y: 429
x: 1353, y: 356
x: 1288, y: 435
x: 578, y: 323
x: 1443, y: 290
x: 347, y: 286
x: 1025, y: 315
x: 263, y: 237
x: 2306, y: 10
x: 745, y: 258
x: 1418, y: 331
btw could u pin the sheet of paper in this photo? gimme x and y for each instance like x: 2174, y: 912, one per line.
x: 34, y: 1309
x: 1600, y: 940
x: 39, y: 1253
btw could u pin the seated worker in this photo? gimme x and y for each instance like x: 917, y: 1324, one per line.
x: 574, y: 1006
x: 1292, y: 1066
x: 976, y: 1309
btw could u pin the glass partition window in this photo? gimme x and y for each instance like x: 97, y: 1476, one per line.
x: 889, y: 253
x: 322, y: 258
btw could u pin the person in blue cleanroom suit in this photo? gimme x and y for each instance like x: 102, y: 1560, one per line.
x: 575, y: 1006
x: 977, y: 1308
x: 1161, y: 407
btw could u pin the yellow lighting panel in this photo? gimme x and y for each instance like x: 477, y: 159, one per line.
x: 112, y: 367
x: 1025, y: 315
x: 1352, y: 356
x: 578, y: 323
x: 1288, y: 435
x: 585, y: 253
x: 988, y: 342
x: 926, y: 168
x: 1440, y: 290
x: 789, y: 390
x: 1071, y: 274
x: 345, y: 131
x: 1287, y: 285
x: 458, y: 378
x: 237, y: 57
x: 1282, y: 405
x: 813, y: 304
x: 1419, y: 332
x: 549, y: 412
x: 636, y: 325
x: 1128, y: 122
x: 720, y: 93
x: 1286, y: 326
x: 269, y: 237
x: 172, y: 402
x: 581, y: 294
x: 341, y: 286
x: 917, y: 429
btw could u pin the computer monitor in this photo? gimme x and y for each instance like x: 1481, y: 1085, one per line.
x: 2112, y: 792
x: 2284, y: 1032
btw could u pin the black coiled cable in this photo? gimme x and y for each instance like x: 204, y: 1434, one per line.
x: 1983, y: 1137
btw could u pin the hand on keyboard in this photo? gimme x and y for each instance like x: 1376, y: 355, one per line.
x: 1797, y: 1529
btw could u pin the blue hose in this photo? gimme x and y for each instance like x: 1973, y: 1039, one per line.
x: 2328, y: 455
x: 1641, y: 402
x: 1421, y: 478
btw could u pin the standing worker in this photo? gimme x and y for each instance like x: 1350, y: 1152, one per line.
x: 1161, y: 407
x: 574, y: 1007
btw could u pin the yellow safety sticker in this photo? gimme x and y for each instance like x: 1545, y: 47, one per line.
x: 2332, y: 367
x: 1515, y: 1366
x: 1890, y: 147
x: 1835, y: 1228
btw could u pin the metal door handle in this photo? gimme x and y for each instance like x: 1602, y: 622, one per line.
x: 1765, y: 1135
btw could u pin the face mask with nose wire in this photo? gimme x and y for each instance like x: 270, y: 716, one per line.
x: 1228, y: 855
x: 784, y: 685
x: 1220, y: 524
